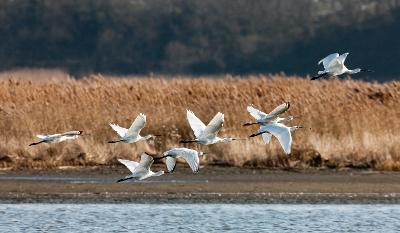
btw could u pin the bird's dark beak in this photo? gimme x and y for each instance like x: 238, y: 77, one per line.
x: 80, y: 132
x: 237, y: 139
x: 366, y: 70
x: 247, y: 124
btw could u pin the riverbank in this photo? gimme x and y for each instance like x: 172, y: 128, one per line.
x: 211, y: 185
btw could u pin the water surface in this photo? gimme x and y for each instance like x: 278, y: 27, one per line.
x: 198, y: 218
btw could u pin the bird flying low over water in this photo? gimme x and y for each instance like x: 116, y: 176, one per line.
x: 189, y: 155
x: 141, y: 170
x: 334, y: 66
x: 132, y: 134
x: 207, y: 135
x: 54, y: 138
x: 281, y: 132
x: 263, y: 118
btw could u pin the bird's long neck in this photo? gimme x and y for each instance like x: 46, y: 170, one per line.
x: 355, y: 71
x: 159, y: 173
x: 224, y: 140
x: 147, y: 137
x: 286, y: 119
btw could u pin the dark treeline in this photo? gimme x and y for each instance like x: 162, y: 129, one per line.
x: 198, y: 36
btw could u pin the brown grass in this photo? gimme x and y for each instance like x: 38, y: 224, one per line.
x: 347, y: 123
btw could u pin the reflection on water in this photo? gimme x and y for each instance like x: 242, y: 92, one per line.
x: 198, y: 218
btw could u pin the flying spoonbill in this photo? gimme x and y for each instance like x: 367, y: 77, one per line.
x: 54, y: 138
x: 141, y: 170
x: 189, y: 155
x: 334, y: 66
x: 263, y: 118
x: 132, y: 135
x: 206, y: 135
x: 281, y: 132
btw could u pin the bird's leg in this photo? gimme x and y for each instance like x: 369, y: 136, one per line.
x: 35, y: 143
x: 319, y: 76
x: 123, y: 179
x: 256, y: 134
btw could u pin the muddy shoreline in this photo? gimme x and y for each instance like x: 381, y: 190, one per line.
x: 212, y: 184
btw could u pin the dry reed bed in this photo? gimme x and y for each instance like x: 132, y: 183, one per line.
x: 347, y: 123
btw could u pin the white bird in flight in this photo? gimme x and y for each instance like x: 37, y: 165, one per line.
x: 54, y: 138
x: 334, y: 66
x: 189, y: 155
x: 207, y: 135
x: 132, y: 134
x: 281, y: 132
x: 141, y: 170
x: 263, y: 118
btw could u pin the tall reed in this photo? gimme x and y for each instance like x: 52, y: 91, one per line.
x: 347, y: 123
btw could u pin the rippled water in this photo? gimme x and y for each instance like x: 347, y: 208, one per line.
x: 198, y: 218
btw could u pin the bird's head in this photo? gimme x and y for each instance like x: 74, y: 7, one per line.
x: 293, y: 128
x: 202, y: 154
x: 80, y: 132
x: 159, y: 173
x: 227, y: 140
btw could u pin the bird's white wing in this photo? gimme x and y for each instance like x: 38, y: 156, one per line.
x: 137, y: 125
x: 337, y: 62
x: 342, y: 58
x: 214, y: 126
x: 145, y: 161
x: 121, y: 131
x: 328, y: 59
x: 171, y: 163
x: 279, y: 110
x: 131, y: 165
x: 192, y: 158
x: 195, y: 123
x: 257, y: 114
x: 282, y: 133
x: 266, y: 137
